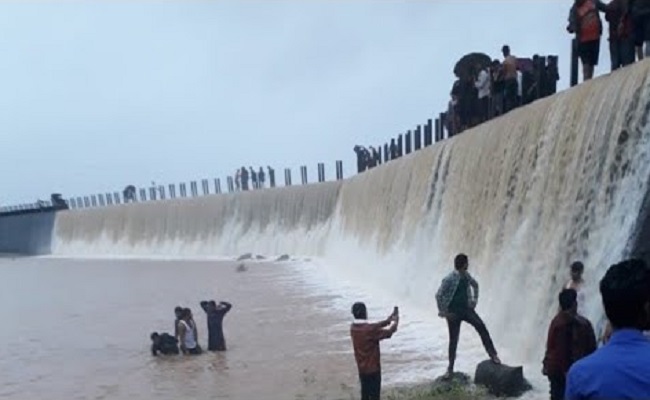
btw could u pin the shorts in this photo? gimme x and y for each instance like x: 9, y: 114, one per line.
x: 589, y: 52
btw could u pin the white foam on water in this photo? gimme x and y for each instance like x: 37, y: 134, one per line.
x: 523, y: 195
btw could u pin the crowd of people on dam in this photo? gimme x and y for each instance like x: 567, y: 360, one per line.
x: 487, y: 90
x: 484, y: 89
x: 628, y: 33
x: 251, y: 179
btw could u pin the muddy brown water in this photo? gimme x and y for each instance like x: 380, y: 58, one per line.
x: 78, y: 329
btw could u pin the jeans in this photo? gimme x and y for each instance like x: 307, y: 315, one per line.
x: 510, y: 100
x: 558, y: 386
x: 471, y: 317
x: 370, y: 386
x: 621, y: 52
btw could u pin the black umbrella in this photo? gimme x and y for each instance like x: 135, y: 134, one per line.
x: 465, y: 67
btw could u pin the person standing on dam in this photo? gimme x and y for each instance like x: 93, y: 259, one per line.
x: 621, y: 368
x: 510, y: 83
x: 365, y: 341
x: 271, y: 176
x: 457, y: 298
x: 254, y: 178
x: 215, y: 314
x: 244, y: 178
x: 585, y: 23
x: 621, y: 39
x: 570, y: 338
x: 261, y: 178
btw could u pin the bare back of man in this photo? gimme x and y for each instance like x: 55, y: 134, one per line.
x: 510, y: 67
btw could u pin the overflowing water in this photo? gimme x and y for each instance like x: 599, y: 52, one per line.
x: 523, y: 196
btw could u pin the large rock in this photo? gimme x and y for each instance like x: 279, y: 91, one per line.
x: 501, y: 380
x: 284, y: 257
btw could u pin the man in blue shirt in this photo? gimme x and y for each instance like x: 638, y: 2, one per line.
x: 621, y: 368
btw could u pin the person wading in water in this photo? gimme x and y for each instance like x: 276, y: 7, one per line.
x: 457, y: 298
x: 215, y: 314
x: 189, y: 338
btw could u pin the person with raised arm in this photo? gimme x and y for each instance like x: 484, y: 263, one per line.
x: 215, y: 314
x: 365, y: 341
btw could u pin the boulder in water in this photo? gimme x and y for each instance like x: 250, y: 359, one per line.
x: 445, y: 384
x: 284, y: 257
x: 457, y: 386
x: 246, y: 256
x: 241, y: 268
x: 501, y: 380
x: 260, y: 257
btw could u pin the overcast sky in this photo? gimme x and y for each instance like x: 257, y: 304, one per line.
x: 98, y: 95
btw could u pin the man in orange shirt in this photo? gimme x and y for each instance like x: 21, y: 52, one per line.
x: 584, y: 21
x: 365, y: 340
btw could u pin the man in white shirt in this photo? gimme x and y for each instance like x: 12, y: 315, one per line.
x: 482, y: 84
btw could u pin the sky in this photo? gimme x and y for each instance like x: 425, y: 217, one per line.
x: 98, y: 95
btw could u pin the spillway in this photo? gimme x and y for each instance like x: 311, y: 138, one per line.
x: 563, y: 179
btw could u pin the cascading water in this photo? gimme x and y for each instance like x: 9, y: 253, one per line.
x: 523, y: 195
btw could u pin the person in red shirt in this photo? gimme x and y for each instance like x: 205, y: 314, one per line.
x: 585, y: 22
x: 365, y: 340
x: 570, y: 338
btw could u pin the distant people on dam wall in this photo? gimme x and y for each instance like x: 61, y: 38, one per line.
x: 628, y: 32
x: 128, y: 194
x: 367, y: 158
x: 250, y: 178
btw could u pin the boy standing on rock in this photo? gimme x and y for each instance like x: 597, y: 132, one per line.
x: 457, y: 298
x: 365, y: 340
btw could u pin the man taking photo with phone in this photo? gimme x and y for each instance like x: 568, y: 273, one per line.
x: 365, y: 340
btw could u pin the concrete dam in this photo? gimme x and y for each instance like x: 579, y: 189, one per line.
x: 563, y: 179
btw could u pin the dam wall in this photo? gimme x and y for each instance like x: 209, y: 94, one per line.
x: 28, y: 233
x: 563, y: 179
